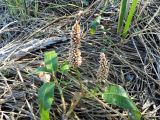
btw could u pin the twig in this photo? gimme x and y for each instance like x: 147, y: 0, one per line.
x: 74, y: 103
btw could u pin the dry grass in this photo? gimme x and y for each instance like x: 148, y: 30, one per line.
x: 134, y: 63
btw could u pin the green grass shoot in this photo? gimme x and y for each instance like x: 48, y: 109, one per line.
x: 130, y: 16
x: 121, y: 15
x: 124, y: 10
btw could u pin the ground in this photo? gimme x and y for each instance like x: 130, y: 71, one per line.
x: 134, y: 62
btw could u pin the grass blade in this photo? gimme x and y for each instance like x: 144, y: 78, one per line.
x: 121, y: 15
x: 36, y: 8
x: 130, y: 16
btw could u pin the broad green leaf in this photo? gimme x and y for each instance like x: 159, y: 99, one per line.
x: 39, y: 70
x: 130, y: 16
x: 45, y: 99
x: 46, y: 94
x: 51, y: 61
x: 64, y: 68
x: 94, y: 25
x: 121, y: 15
x: 116, y: 95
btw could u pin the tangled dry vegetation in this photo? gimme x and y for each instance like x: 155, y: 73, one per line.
x: 134, y: 61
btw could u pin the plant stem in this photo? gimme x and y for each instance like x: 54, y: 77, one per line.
x: 44, y: 114
x: 73, y: 105
x: 61, y: 93
x: 77, y: 97
x: 79, y: 80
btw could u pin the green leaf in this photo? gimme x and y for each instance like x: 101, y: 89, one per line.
x: 44, y: 114
x: 39, y: 70
x: 116, y: 95
x: 45, y: 94
x: 135, y: 115
x: 94, y: 25
x: 130, y: 16
x: 45, y: 99
x: 51, y: 61
x: 65, y: 68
